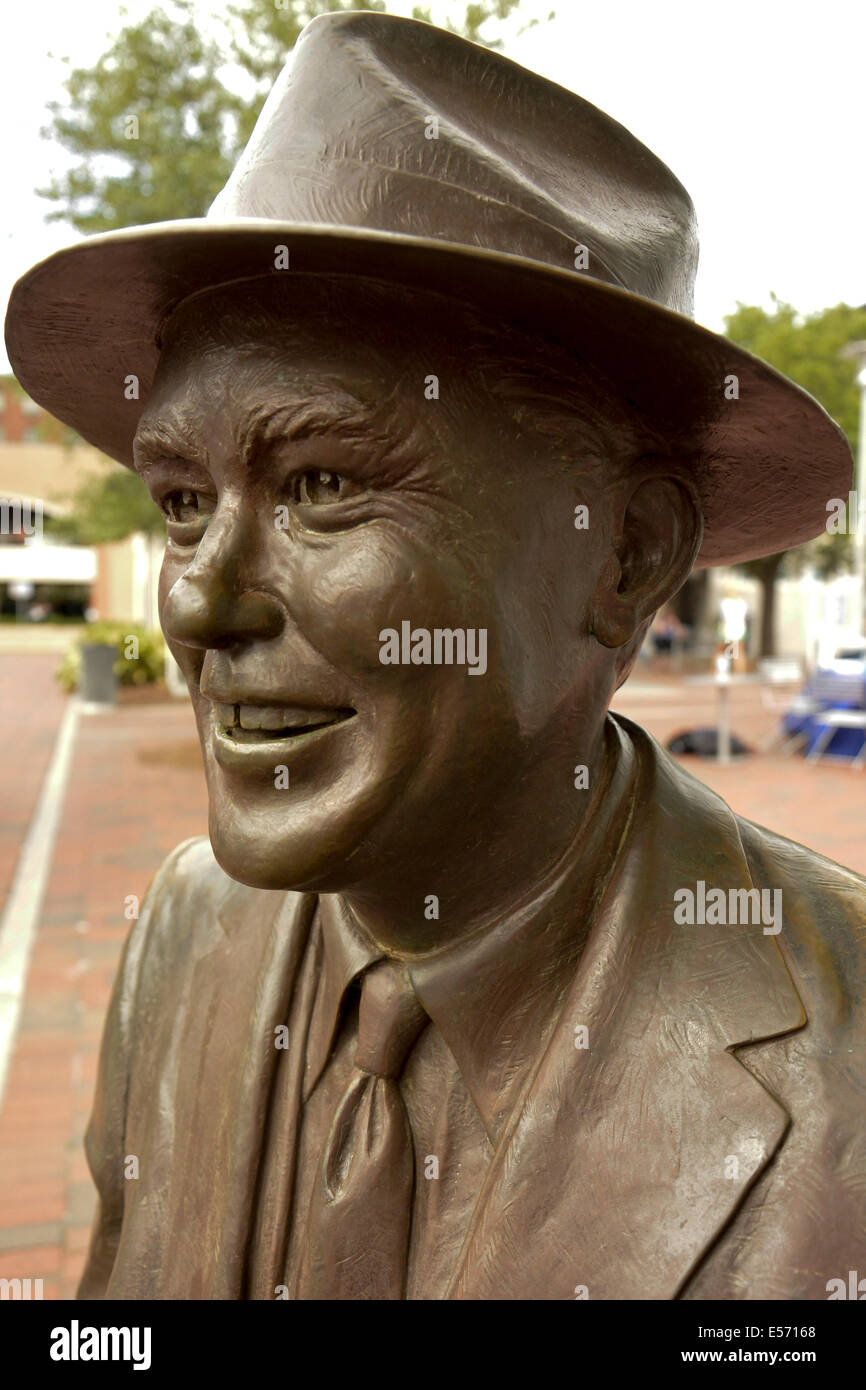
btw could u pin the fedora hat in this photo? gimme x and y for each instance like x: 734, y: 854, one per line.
x: 398, y: 152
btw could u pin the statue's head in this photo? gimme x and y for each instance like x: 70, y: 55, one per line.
x: 410, y: 557
x: 365, y: 482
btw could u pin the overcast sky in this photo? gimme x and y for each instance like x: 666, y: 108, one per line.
x: 758, y: 106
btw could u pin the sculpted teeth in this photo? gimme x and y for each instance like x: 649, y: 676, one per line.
x: 254, y: 717
x: 264, y: 717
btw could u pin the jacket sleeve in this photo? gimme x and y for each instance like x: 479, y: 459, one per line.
x: 104, y: 1141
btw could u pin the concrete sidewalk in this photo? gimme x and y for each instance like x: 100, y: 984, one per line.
x: 135, y: 790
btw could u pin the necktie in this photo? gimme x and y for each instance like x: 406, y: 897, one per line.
x: 357, y: 1234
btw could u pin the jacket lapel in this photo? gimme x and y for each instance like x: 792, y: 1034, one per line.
x: 242, y: 991
x: 625, y: 1160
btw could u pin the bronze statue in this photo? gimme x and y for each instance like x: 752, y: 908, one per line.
x: 477, y: 994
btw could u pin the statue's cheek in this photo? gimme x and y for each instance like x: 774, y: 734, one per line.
x: 368, y: 580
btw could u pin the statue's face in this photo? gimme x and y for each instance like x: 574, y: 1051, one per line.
x: 317, y: 503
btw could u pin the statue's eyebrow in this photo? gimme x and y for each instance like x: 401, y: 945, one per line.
x: 269, y: 423
x: 162, y: 438
x: 334, y: 412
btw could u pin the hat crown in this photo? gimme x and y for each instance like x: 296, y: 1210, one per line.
x: 391, y: 125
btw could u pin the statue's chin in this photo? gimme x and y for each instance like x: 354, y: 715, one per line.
x: 299, y: 863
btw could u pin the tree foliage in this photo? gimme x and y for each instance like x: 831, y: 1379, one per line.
x: 151, y: 123
x: 808, y: 349
x: 107, y: 508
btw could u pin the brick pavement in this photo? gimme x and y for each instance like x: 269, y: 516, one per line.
x: 31, y: 707
x: 136, y: 789
x: 819, y: 805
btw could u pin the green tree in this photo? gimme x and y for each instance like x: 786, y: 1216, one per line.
x: 808, y: 349
x: 151, y: 123
x: 159, y: 121
x: 108, y: 508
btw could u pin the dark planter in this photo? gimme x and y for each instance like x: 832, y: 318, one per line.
x: 98, y: 681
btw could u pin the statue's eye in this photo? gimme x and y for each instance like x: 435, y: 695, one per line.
x: 316, y: 487
x: 186, y: 507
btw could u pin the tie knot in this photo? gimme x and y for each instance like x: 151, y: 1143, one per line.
x: 390, y: 1019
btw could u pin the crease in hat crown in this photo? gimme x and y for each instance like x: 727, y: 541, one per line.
x: 343, y: 139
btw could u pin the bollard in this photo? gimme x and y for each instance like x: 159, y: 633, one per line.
x: 723, y: 676
x: 98, y: 681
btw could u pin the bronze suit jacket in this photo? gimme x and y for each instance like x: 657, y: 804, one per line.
x: 709, y: 1143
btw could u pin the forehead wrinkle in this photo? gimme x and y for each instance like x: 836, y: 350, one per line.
x: 269, y: 422
x: 336, y: 412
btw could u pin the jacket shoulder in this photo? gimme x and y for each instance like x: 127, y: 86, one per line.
x: 190, y: 868
x: 189, y: 874
x: 192, y: 902
x: 804, y: 1222
x: 773, y: 851
x: 823, y: 937
x: 833, y: 897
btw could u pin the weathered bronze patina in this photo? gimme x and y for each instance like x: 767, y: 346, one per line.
x: 428, y: 1016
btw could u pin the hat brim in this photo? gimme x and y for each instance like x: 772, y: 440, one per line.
x: 766, y: 460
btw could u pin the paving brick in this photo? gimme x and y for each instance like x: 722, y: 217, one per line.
x: 20, y: 1237
x: 31, y: 1262
x: 121, y: 816
x: 77, y: 1238
x: 80, y: 1202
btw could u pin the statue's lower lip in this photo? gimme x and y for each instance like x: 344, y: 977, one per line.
x: 257, y: 736
x: 234, y: 745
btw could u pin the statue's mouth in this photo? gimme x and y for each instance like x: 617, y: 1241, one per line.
x: 253, y: 724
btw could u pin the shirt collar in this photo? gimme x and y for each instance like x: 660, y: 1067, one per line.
x: 495, y: 996
x: 345, y: 954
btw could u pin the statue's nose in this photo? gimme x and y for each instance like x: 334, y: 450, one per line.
x: 216, y: 602
x: 208, y: 615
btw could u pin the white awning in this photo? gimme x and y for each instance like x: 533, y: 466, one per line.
x: 48, y: 564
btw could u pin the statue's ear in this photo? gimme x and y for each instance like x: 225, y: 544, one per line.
x: 656, y: 541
